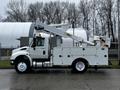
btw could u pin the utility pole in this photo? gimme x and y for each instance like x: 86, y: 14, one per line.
x: 73, y: 26
x: 118, y: 31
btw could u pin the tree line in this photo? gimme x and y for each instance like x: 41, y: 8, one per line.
x: 98, y: 16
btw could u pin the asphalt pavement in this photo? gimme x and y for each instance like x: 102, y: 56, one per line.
x: 103, y: 79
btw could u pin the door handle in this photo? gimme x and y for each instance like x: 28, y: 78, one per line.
x: 44, y: 52
x: 60, y: 56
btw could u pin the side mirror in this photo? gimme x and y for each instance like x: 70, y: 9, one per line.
x: 34, y: 43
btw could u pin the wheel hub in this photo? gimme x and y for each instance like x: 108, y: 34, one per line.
x: 80, y: 66
x: 22, y: 66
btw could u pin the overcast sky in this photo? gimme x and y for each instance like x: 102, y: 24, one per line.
x: 3, y: 4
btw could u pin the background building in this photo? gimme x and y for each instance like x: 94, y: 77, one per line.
x: 10, y: 36
x: 11, y: 32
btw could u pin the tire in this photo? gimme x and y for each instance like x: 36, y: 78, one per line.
x: 80, y: 66
x: 22, y: 67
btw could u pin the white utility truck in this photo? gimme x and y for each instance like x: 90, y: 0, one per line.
x: 45, y: 52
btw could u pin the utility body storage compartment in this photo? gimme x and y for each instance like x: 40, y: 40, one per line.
x: 93, y: 55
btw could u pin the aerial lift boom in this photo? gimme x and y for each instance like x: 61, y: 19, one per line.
x: 43, y: 27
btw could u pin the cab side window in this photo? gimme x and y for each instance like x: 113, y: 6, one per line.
x: 40, y: 41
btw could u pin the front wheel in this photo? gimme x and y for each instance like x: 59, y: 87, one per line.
x: 80, y: 66
x: 22, y: 67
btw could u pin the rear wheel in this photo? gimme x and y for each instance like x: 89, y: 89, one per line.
x: 79, y: 66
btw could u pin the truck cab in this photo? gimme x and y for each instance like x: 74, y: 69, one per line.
x: 37, y: 51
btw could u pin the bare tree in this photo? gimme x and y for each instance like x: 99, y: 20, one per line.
x: 73, y: 13
x: 58, y: 12
x: 109, y: 19
x: 84, y: 8
x: 17, y: 11
x: 49, y: 11
x: 105, y: 11
x: 36, y: 11
x: 64, y: 11
x: 53, y: 12
x: 101, y: 19
x: 118, y: 13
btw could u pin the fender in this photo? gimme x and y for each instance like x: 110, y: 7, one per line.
x: 25, y: 53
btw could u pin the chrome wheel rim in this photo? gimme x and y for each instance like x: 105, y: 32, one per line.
x: 80, y: 66
x: 22, y: 67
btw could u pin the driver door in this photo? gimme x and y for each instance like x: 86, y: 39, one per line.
x: 39, y: 49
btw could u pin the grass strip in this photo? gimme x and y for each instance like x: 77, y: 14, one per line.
x: 4, y: 64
